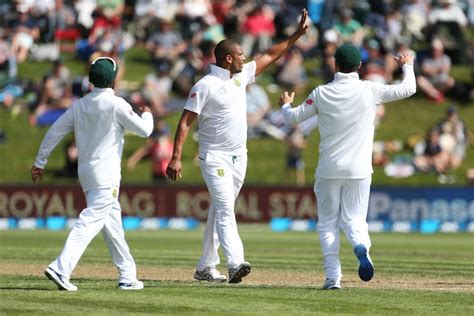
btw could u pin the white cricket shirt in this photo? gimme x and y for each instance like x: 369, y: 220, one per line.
x: 346, y: 111
x: 220, y: 102
x: 99, y: 121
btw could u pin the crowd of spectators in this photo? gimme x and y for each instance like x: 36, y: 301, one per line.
x: 179, y: 37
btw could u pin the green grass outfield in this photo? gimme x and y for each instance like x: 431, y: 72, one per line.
x: 415, y: 275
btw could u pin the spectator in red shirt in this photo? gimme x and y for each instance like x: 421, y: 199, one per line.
x: 258, y: 30
x: 159, y: 148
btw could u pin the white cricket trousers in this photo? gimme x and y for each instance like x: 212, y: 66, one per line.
x: 102, y: 214
x: 224, y: 175
x: 342, y: 204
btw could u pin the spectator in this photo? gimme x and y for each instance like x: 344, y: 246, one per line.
x: 294, y: 158
x: 348, y: 29
x: 159, y: 148
x: 71, y: 160
x: 454, y: 136
x: 292, y: 74
x: 448, y: 24
x: 448, y: 11
x: 190, y: 15
x: 166, y: 43
x: 157, y: 88
x: 329, y: 50
x: 9, y: 88
x: 148, y: 13
x: 55, y: 95
x: 434, y: 79
x: 258, y: 30
x: 415, y: 18
x: 430, y: 155
x: 259, y: 121
x: 24, y: 32
x: 374, y: 68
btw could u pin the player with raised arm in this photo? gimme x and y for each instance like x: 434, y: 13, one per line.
x: 99, y: 121
x: 219, y: 102
x: 346, y: 112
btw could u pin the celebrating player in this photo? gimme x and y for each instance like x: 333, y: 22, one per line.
x: 346, y: 112
x: 219, y: 101
x: 99, y: 121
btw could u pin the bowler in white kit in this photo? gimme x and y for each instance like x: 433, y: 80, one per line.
x: 346, y: 112
x: 219, y: 102
x: 99, y: 121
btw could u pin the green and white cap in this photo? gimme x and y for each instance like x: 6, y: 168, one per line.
x: 102, y: 72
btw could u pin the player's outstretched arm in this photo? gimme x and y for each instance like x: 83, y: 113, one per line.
x: 300, y: 113
x: 278, y: 50
x: 173, y: 171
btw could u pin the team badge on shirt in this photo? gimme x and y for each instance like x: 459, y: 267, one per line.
x: 115, y: 192
x: 237, y: 82
x: 220, y: 172
x: 309, y: 102
x: 193, y: 95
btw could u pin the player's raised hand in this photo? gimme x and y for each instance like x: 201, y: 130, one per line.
x: 173, y: 171
x: 36, y: 174
x: 303, y: 26
x: 404, y: 58
x: 287, y: 98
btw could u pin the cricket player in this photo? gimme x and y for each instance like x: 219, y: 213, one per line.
x: 99, y: 121
x: 219, y: 100
x: 346, y: 111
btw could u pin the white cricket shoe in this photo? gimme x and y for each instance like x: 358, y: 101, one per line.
x: 209, y: 274
x: 332, y: 284
x: 61, y: 281
x: 137, y: 285
x: 237, y: 273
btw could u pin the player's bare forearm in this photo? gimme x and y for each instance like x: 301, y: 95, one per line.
x: 173, y: 171
x: 278, y: 50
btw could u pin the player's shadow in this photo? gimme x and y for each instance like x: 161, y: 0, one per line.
x: 25, y: 288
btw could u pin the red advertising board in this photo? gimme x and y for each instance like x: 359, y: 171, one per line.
x: 254, y: 204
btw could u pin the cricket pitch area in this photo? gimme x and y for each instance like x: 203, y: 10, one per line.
x: 415, y: 274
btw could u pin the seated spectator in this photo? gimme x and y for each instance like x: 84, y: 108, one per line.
x: 9, y: 87
x: 157, y: 88
x: 448, y: 23
x: 159, y: 148
x: 448, y: 11
x: 186, y: 71
x: 430, y: 156
x: 374, y: 67
x: 24, y: 32
x: 190, y: 15
x: 454, y: 136
x: 258, y: 114
x: 148, y: 13
x: 415, y: 18
x: 292, y: 74
x: 166, y: 43
x: 434, y: 78
x: 348, y: 29
x: 55, y: 95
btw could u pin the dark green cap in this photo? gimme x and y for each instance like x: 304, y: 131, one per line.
x: 347, y: 56
x: 102, y: 72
